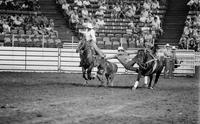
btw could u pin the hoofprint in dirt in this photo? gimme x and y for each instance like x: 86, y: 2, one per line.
x: 58, y: 98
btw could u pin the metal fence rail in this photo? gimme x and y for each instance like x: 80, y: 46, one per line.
x: 66, y: 60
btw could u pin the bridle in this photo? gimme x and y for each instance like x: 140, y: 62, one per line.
x: 151, y: 60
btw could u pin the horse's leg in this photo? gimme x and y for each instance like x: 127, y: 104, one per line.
x: 146, y: 81
x: 150, y: 80
x: 84, y: 75
x: 107, y: 78
x: 100, y: 79
x: 137, y: 81
x: 156, y: 79
x: 111, y: 79
x: 89, y: 72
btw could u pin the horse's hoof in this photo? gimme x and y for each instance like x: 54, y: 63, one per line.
x: 85, y: 83
x: 150, y: 88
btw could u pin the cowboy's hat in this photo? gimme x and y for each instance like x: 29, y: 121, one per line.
x: 120, y: 48
x: 167, y: 45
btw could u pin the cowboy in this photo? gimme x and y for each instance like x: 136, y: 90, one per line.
x: 123, y: 57
x: 175, y: 62
x: 168, y: 55
x: 89, y: 35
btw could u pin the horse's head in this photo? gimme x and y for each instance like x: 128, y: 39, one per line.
x: 141, y: 56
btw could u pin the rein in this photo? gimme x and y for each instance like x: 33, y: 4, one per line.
x: 154, y: 59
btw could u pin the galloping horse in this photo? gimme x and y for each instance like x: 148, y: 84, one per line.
x: 148, y: 66
x: 88, y: 60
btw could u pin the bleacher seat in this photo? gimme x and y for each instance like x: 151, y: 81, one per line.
x: 123, y: 42
x: 116, y: 44
x: 108, y: 43
x: 101, y: 44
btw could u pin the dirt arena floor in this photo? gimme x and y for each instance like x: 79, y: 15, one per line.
x: 58, y: 98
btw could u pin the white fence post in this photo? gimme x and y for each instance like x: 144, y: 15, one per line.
x: 42, y: 40
x: 59, y: 59
x: 72, y: 42
x: 12, y: 40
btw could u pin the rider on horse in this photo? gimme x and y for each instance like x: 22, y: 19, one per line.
x: 89, y: 35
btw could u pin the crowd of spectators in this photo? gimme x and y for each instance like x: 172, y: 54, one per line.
x: 20, y: 5
x: 194, y: 4
x: 27, y: 24
x: 139, y: 14
x: 190, y: 38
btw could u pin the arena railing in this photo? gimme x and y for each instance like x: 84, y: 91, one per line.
x: 25, y: 59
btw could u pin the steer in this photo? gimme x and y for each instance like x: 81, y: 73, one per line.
x: 106, y: 70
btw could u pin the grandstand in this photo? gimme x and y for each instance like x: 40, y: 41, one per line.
x: 115, y: 30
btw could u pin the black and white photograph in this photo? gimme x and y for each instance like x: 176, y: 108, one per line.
x: 99, y: 61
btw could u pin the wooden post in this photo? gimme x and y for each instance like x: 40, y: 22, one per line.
x: 197, y: 72
x: 72, y: 42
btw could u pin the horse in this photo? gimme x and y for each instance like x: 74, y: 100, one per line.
x: 88, y: 60
x: 106, y: 69
x: 148, y: 66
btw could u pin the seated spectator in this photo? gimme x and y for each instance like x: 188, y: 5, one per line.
x: 74, y: 19
x: 147, y: 5
x: 192, y: 44
x: 6, y: 27
x: 24, y: 7
x: 84, y: 12
x: 183, y: 42
x: 133, y: 7
x: 65, y: 6
x: 130, y: 13
x: 44, y: 20
x: 34, y: 29
x: 150, y: 18
x: 50, y: 31
x: 155, y: 5
x: 100, y: 22
x: 187, y: 30
x: 99, y: 13
x: 193, y: 4
x: 116, y: 10
x: 124, y: 9
x: 140, y: 41
x: 144, y: 16
x: 51, y: 23
x: 86, y: 3
x: 188, y: 21
x: 156, y: 23
x: 78, y: 3
x: 17, y: 22
x: 103, y: 7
